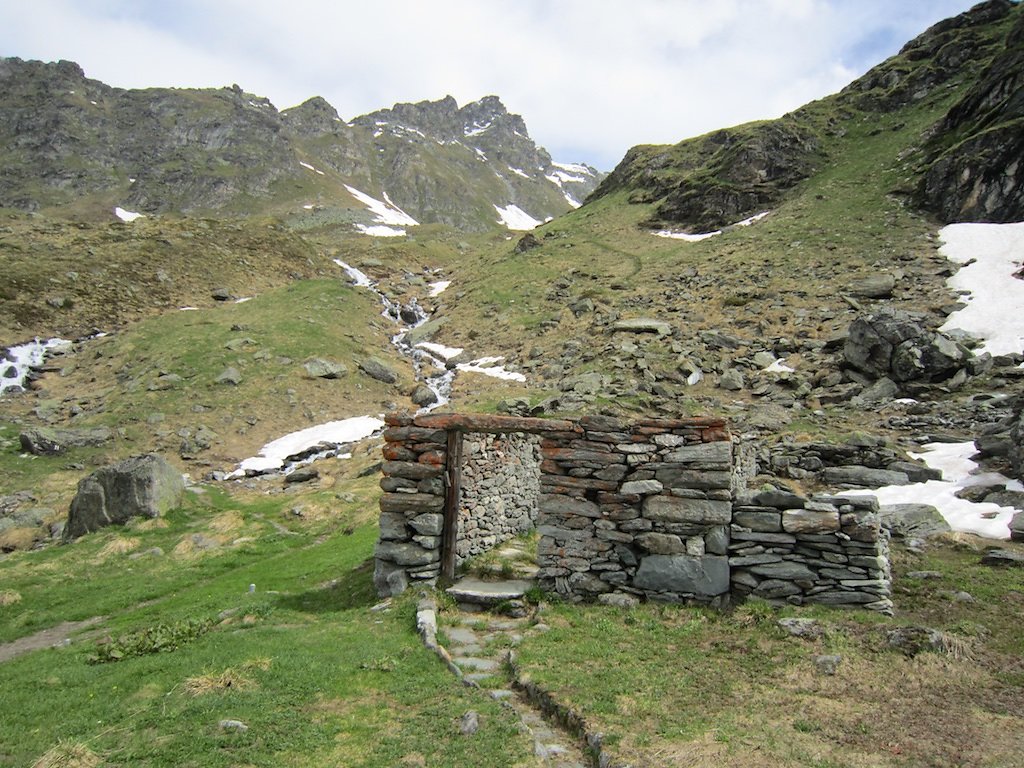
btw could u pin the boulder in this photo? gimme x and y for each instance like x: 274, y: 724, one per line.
x: 142, y: 486
x: 318, y: 368
x: 913, y: 521
x: 47, y: 441
x: 375, y: 369
x: 1017, y: 527
x: 864, y: 477
x: 895, y: 344
x: 423, y: 395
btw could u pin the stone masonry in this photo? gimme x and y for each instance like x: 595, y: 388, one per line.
x: 500, y: 488
x: 650, y: 509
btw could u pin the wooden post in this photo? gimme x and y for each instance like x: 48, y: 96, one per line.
x: 453, y: 486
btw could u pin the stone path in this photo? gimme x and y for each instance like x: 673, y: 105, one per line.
x: 479, y: 645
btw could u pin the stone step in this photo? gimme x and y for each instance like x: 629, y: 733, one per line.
x: 487, y: 593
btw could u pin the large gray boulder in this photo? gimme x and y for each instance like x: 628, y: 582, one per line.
x: 142, y: 486
x: 913, y: 520
x: 895, y: 344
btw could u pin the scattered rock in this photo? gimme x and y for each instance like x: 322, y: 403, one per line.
x: 229, y: 375
x: 874, y: 287
x: 142, y: 486
x: 732, y: 380
x: 318, y: 368
x: 828, y: 664
x: 378, y: 370
x: 423, y: 396
x: 469, y: 723
x: 222, y: 294
x: 301, y: 475
x: 1017, y: 527
x: 47, y: 441
x: 643, y: 325
x: 808, y: 629
x: 1003, y: 557
x: 527, y: 242
x: 233, y: 726
x: 915, y: 640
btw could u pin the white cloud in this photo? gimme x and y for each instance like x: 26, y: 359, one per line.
x: 591, y: 77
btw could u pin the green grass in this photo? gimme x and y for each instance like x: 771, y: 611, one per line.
x: 326, y: 681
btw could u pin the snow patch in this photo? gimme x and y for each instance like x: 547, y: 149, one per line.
x: 515, y: 218
x: 436, y: 289
x: 573, y: 168
x: 779, y: 367
x: 273, y: 455
x: 990, y: 254
x: 476, y: 128
x: 384, y: 212
x: 488, y: 367
x: 571, y: 200
x: 124, y: 215
x: 310, y: 167
x: 693, y: 238
x: 519, y: 172
x: 984, y: 518
x: 380, y: 230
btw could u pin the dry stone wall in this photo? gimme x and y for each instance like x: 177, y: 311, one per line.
x: 499, y: 490
x: 651, y: 509
x: 826, y: 549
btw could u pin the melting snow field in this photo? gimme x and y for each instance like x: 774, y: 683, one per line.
x: 272, y: 455
x: 693, y: 238
x: 990, y: 254
x: 436, y: 289
x: 440, y: 350
x: 984, y: 518
x: 515, y: 218
x: 20, y: 359
x: 486, y: 366
x: 389, y: 217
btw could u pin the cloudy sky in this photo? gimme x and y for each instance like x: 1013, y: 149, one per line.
x: 590, y: 77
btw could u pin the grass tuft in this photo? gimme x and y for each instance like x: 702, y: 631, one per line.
x: 68, y: 754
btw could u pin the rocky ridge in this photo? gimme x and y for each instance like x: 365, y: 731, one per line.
x: 79, y: 146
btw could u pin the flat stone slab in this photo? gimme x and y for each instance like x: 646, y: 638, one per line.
x: 471, y: 590
x: 476, y: 663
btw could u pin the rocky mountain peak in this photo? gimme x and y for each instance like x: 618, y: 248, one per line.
x: 313, y: 117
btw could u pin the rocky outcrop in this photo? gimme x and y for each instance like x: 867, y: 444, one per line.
x: 142, y: 486
x: 896, y: 345
x: 976, y: 171
x: 182, y: 150
x: 719, y: 179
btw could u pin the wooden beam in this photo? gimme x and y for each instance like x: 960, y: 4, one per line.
x: 453, y: 490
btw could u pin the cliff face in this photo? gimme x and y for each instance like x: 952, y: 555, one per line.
x: 68, y: 140
x: 976, y: 171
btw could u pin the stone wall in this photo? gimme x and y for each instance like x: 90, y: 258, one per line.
x: 826, y: 549
x: 640, y: 508
x: 651, y: 508
x: 499, y: 490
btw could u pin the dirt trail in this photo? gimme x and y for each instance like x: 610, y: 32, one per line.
x: 45, y: 638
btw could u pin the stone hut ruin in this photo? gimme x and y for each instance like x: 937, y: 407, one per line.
x: 653, y: 508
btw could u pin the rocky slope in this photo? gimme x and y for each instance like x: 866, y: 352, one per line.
x: 76, y: 145
x: 966, y: 168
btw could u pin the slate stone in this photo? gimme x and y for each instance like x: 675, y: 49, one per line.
x: 661, y: 543
x: 1003, y: 557
x: 429, y: 524
x: 643, y: 325
x: 405, y: 553
x: 809, y: 521
x: 641, y: 487
x: 673, y: 509
x: 864, y: 477
x: 392, y: 526
x: 704, y: 576
x: 913, y: 520
x: 49, y: 441
x: 378, y: 370
x: 788, y: 570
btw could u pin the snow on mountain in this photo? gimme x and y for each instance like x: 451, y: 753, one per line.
x: 515, y: 218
